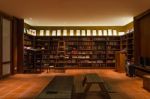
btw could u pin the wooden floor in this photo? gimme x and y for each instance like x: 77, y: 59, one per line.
x: 28, y: 86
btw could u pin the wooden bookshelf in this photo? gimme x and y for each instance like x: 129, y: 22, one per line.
x: 80, y: 51
x: 127, y: 42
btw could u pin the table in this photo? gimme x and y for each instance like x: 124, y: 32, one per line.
x: 93, y: 79
x: 61, y: 87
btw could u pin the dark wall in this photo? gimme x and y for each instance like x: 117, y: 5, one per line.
x: 142, y: 36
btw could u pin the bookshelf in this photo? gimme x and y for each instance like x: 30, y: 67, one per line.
x: 112, y: 45
x: 127, y: 42
x: 81, y: 51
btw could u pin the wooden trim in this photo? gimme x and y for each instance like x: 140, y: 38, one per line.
x: 7, y: 17
x: 4, y: 15
x: 137, y: 42
x: 5, y: 76
x: 0, y: 46
x: 142, y: 15
x: 138, y: 35
x: 14, y: 45
x: 20, y: 32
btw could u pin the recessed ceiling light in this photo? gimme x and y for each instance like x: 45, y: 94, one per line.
x: 30, y: 18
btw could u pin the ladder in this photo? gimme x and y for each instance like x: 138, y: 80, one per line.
x: 60, y: 60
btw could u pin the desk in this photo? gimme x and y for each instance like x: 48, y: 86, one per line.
x: 61, y: 87
x: 93, y: 79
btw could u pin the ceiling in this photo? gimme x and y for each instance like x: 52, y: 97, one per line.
x: 75, y: 12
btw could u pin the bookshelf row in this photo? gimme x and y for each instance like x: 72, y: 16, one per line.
x: 80, y: 52
x: 127, y: 42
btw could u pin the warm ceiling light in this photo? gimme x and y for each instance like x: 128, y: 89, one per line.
x: 88, y: 32
x: 53, y: 32
x: 30, y: 18
x: 47, y: 33
x: 110, y: 32
x: 34, y: 32
x: 58, y: 32
x: 71, y: 32
x: 78, y: 32
x: 121, y: 33
x: 41, y: 32
x: 100, y: 32
x: 94, y: 32
x: 83, y: 33
x: 115, y: 32
x: 105, y: 32
x: 64, y: 32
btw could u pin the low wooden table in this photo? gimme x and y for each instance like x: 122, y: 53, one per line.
x: 61, y: 87
x: 92, y: 79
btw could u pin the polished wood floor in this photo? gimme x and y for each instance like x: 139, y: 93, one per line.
x: 28, y: 86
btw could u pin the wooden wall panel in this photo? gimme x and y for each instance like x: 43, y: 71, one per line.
x: 0, y: 46
x: 142, y: 36
x: 145, y: 35
x: 20, y: 30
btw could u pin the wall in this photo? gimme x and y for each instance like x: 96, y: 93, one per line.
x: 142, y: 36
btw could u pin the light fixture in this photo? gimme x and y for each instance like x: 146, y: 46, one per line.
x: 105, y: 32
x: 34, y: 32
x: 110, y: 32
x: 78, y: 32
x: 41, y: 32
x: 64, y: 32
x: 71, y: 32
x: 83, y: 33
x: 58, y: 32
x: 115, y: 32
x: 88, y: 32
x: 100, y: 32
x: 121, y: 33
x: 94, y: 33
x: 47, y: 33
x: 53, y: 32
